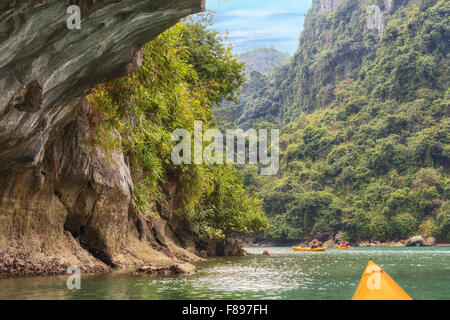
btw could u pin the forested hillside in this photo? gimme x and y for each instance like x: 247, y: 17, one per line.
x: 365, y: 125
x: 259, y: 64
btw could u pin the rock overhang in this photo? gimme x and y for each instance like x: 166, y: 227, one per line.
x: 45, y: 67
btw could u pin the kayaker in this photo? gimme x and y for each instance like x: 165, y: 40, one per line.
x: 314, y: 244
x: 345, y: 245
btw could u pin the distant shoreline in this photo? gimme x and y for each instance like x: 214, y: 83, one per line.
x: 396, y: 244
x: 440, y: 245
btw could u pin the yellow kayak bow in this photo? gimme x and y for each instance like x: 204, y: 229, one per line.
x: 309, y: 249
x: 376, y: 284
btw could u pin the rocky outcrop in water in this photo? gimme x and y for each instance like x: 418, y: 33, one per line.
x: 63, y: 201
x: 419, y: 241
x: 228, y: 247
x: 168, y: 269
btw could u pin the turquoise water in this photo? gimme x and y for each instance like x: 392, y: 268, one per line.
x: 423, y: 272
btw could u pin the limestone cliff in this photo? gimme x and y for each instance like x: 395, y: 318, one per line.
x: 337, y: 36
x: 61, y: 202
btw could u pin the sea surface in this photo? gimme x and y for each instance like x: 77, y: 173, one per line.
x: 424, y: 273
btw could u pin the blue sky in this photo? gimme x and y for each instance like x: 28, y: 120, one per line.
x: 260, y: 23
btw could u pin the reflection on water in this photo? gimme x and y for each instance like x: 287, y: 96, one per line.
x: 423, y: 272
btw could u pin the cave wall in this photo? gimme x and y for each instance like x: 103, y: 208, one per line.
x: 62, y: 201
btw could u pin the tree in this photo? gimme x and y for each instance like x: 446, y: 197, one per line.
x: 185, y: 71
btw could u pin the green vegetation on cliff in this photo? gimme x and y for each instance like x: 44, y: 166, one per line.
x: 365, y: 125
x: 364, y: 119
x: 185, y: 71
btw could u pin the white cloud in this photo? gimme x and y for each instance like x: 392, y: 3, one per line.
x: 261, y: 23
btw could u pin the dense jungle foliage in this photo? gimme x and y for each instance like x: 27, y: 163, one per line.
x: 185, y: 71
x: 365, y: 125
x: 364, y: 119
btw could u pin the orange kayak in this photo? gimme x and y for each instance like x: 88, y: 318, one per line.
x: 309, y: 249
x: 343, y: 248
x: 376, y: 284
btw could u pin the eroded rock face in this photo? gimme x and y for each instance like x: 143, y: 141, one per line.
x: 64, y: 201
x: 38, y: 50
x: 328, y: 5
